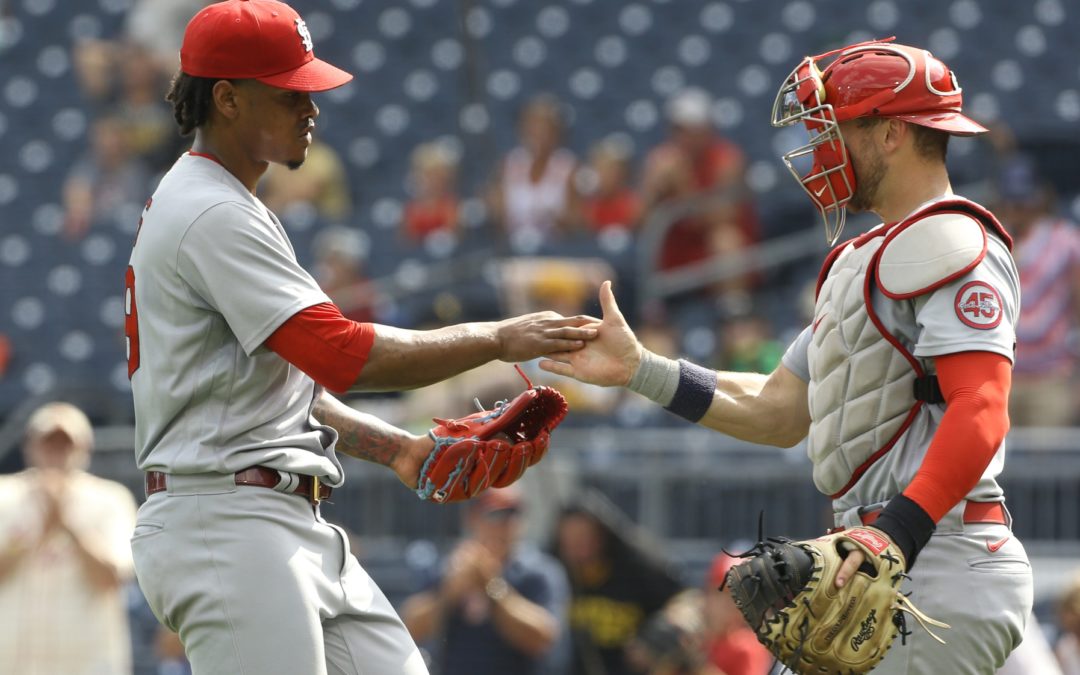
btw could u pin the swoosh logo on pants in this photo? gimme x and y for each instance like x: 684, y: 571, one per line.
x: 993, y: 546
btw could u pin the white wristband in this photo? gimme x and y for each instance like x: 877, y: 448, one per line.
x: 656, y: 378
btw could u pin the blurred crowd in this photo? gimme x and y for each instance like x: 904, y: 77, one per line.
x: 557, y: 220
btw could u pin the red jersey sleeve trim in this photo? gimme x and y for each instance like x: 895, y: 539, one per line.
x: 976, y: 389
x: 331, y: 349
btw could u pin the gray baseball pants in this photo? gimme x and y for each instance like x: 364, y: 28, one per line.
x: 257, y: 583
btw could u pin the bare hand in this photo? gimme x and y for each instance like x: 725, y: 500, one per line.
x: 464, y: 571
x: 486, y: 566
x: 524, y: 338
x: 458, y: 578
x: 52, y: 486
x: 611, y: 359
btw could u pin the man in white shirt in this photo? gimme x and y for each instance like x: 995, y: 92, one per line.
x: 64, y: 556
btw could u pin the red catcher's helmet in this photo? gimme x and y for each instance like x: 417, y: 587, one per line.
x: 869, y: 79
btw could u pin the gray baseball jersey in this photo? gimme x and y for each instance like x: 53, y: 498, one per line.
x: 212, y: 275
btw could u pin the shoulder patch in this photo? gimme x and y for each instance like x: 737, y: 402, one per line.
x: 925, y: 254
x: 978, y: 305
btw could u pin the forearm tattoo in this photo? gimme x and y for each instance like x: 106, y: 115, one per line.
x: 361, y: 435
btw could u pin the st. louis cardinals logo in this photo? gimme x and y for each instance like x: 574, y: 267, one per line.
x: 978, y: 305
x: 305, y: 35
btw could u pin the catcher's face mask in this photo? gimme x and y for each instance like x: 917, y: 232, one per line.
x: 831, y: 180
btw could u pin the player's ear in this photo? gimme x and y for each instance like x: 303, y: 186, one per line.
x: 225, y: 94
x: 893, y: 132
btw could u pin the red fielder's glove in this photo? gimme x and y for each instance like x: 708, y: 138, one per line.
x: 491, y: 448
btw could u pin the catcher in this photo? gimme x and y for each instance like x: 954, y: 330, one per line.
x: 232, y: 352
x: 899, y: 386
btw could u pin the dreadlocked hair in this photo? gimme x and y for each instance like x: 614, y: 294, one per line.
x: 191, y: 98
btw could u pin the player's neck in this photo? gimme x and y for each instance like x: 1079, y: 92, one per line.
x: 899, y: 195
x: 230, y: 155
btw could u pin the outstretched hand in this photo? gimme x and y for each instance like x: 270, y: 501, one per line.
x: 527, y: 337
x: 608, y: 360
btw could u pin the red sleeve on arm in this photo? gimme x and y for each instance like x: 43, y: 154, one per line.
x: 976, y: 388
x: 331, y: 349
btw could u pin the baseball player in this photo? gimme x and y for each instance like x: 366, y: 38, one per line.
x: 900, y: 384
x: 231, y: 350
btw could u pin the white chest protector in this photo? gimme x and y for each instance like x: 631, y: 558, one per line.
x: 862, y: 378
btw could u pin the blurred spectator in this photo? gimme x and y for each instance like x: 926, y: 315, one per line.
x: 497, y: 606
x: 318, y: 187
x: 121, y: 80
x: 156, y: 650
x: 1047, y: 252
x: 170, y: 653
x: 5, y: 354
x: 158, y: 26
x: 730, y: 644
x: 696, y: 162
x: 340, y: 255
x: 1067, y: 648
x: 603, y: 198
x: 565, y: 285
x: 95, y: 70
x: 434, y: 205
x: 617, y: 581
x: 64, y: 555
x: 147, y: 118
x: 670, y: 643
x: 531, y: 195
x: 748, y: 345
x: 104, y: 180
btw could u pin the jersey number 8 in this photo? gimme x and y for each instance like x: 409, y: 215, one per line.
x: 131, y: 322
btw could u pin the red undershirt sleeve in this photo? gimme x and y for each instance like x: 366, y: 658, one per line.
x: 976, y: 389
x: 331, y: 349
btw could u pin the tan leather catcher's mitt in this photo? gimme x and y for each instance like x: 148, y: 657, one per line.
x: 787, y: 592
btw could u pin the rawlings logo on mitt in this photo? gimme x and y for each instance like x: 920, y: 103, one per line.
x: 787, y: 592
x: 490, y: 448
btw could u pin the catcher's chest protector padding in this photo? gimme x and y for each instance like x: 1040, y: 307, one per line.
x: 861, y: 387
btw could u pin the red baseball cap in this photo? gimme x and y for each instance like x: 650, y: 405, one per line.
x: 262, y: 40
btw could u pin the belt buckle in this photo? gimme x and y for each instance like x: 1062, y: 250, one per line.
x: 315, y: 498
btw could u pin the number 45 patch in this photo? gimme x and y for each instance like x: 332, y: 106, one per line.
x: 978, y: 305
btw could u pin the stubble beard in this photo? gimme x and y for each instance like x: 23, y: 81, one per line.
x: 868, y: 176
